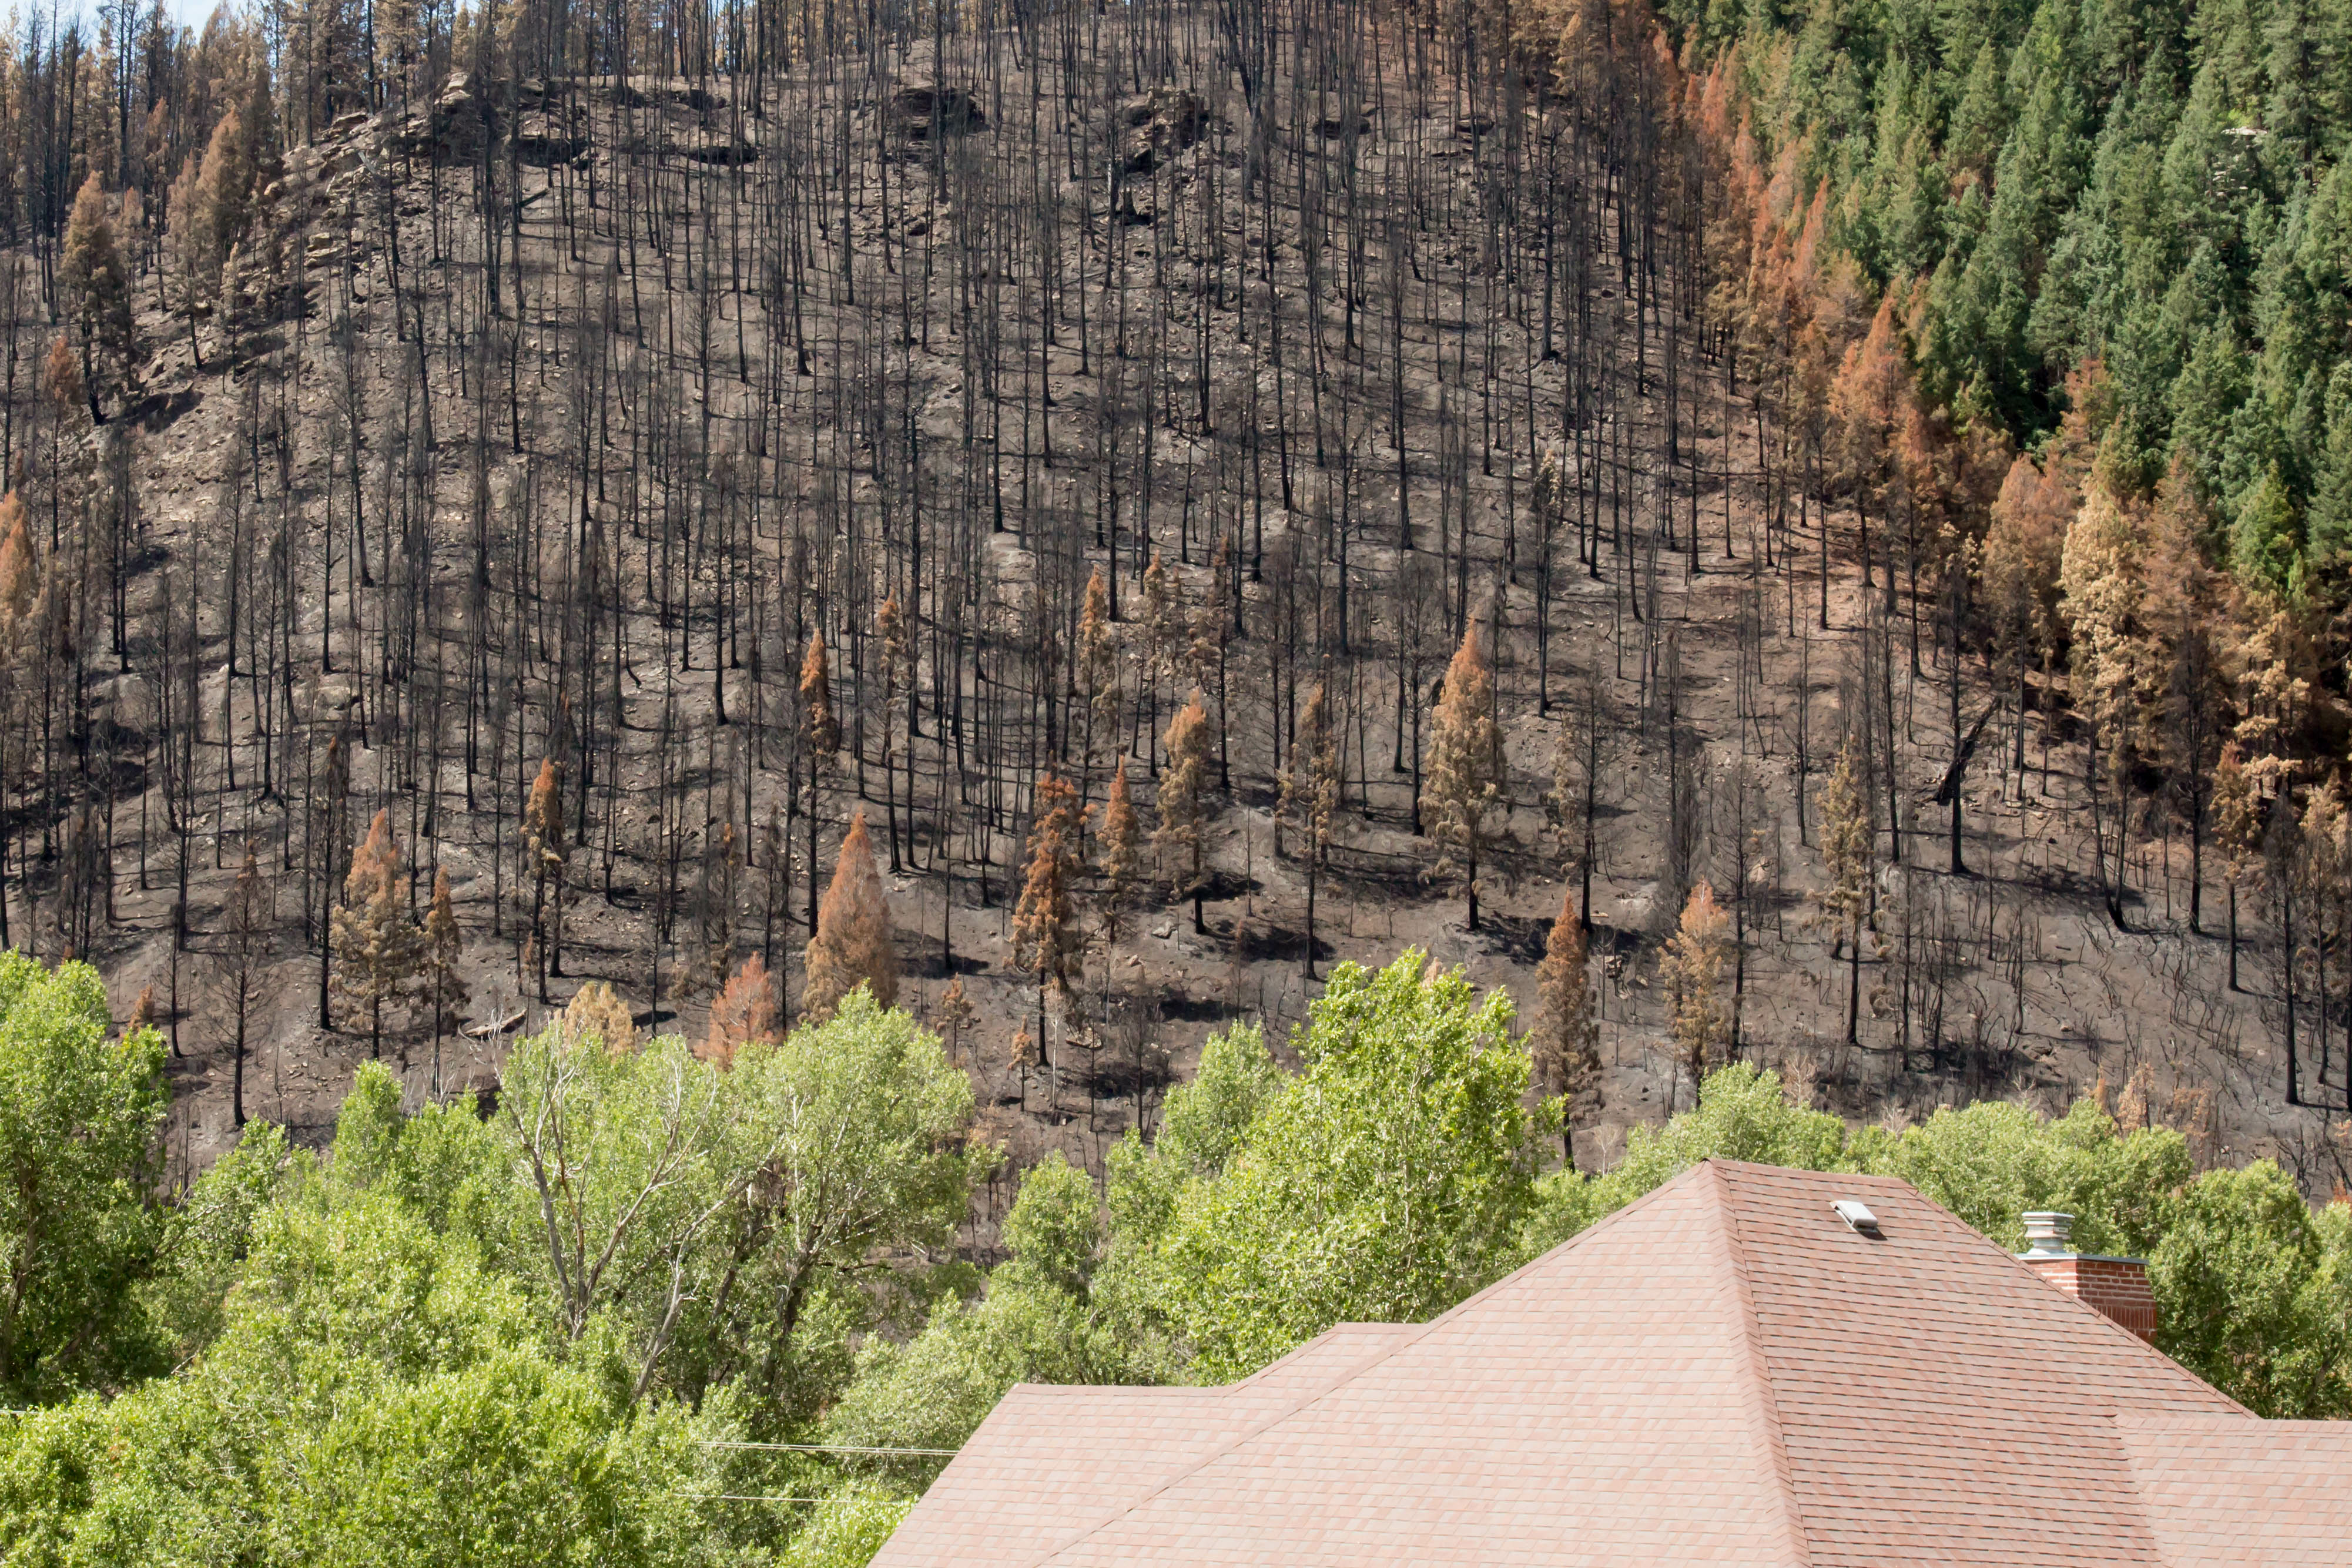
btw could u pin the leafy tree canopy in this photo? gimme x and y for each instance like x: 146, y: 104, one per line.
x: 531, y: 1336
x: 80, y: 1112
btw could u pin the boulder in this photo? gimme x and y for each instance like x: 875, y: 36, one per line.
x: 721, y: 147
x: 620, y: 91
x: 444, y: 137
x: 920, y: 107
x: 450, y: 130
x: 455, y: 94
x: 1158, y: 123
x: 127, y: 702
x: 540, y: 138
x: 1337, y: 120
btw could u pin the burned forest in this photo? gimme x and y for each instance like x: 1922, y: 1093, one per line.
x: 1083, y: 519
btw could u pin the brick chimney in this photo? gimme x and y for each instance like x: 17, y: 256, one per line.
x: 2115, y: 1286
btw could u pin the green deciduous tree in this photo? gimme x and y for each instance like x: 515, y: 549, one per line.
x: 1385, y: 1182
x: 738, y: 1213
x: 79, y: 1116
x: 1202, y: 1127
x: 1742, y: 1114
x: 1042, y: 1321
x: 2251, y: 1297
x: 373, y: 1366
x: 511, y: 1460
x: 848, y: 1527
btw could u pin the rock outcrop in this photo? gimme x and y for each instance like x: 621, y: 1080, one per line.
x: 1158, y: 124
x: 922, y: 108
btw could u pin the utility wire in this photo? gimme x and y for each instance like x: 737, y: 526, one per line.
x: 826, y: 1448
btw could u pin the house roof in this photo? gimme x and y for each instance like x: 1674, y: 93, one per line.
x: 1722, y: 1372
x: 2221, y: 1491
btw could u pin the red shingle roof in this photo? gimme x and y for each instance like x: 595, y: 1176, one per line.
x: 1723, y: 1373
x: 2223, y: 1491
x: 1052, y: 1462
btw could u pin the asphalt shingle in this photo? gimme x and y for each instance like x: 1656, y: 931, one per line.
x: 1722, y: 1372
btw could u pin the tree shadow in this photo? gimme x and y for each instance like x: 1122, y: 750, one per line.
x: 1370, y: 871
x: 1118, y: 1076
x: 1179, y: 1008
x: 1519, y: 938
x: 162, y: 410
x: 1607, y: 939
x: 1223, y: 887
x: 1262, y: 941
x: 928, y: 963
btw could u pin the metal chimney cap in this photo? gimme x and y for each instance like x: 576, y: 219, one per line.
x: 2047, y: 1233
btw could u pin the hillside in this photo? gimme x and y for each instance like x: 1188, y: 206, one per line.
x: 546, y: 416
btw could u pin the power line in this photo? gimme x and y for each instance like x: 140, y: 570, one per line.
x: 826, y: 1448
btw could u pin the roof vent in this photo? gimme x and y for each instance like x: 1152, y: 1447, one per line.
x: 1857, y: 1215
x: 2046, y: 1234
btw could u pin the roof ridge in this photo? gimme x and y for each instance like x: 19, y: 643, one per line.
x: 2224, y: 1420
x: 1765, y: 1407
x: 1400, y: 1342
x: 1607, y: 1222
x: 2108, y: 1326
x: 1296, y: 1353
x: 1056, y: 1390
x: 1273, y: 1418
